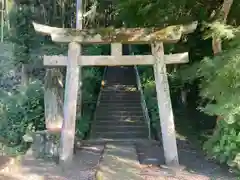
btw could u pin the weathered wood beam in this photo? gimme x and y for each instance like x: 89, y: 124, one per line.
x: 116, y: 50
x: 79, y: 26
x: 126, y: 60
x: 165, y: 107
x: 122, y: 35
x: 70, y: 104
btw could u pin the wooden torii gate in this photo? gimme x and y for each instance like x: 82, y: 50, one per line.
x: 154, y: 36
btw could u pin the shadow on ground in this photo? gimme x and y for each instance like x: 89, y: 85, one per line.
x: 4, y: 160
x: 87, y: 160
x: 189, y: 157
x: 5, y: 177
x: 83, y: 166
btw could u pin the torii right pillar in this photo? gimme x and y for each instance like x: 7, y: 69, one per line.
x: 165, y: 107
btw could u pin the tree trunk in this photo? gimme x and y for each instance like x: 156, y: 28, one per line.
x: 53, y: 99
x: 216, y: 41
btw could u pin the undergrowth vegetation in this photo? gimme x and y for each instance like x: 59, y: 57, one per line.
x: 22, y: 108
x: 22, y: 111
x: 220, y: 86
x: 91, y: 86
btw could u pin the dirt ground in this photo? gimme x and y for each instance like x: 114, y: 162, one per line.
x: 195, y: 165
x: 29, y: 168
x: 88, y: 157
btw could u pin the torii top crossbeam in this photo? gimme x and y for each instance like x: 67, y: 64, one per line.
x: 169, y: 34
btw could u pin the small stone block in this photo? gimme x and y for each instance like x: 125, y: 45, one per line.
x: 46, y: 145
x: 174, y: 168
x: 152, y: 161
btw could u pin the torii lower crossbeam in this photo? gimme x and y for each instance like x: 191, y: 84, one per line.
x: 116, y: 60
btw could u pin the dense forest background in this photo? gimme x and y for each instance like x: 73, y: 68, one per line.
x: 205, y: 92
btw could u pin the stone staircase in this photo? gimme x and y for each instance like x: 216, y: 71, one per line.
x: 119, y: 114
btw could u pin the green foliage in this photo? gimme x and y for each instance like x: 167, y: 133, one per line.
x: 220, y: 90
x: 219, y: 30
x: 6, y: 58
x: 91, y: 79
x: 224, y: 145
x: 149, y: 90
x: 22, y: 33
x: 220, y: 83
x: 21, y: 113
x: 83, y: 126
x: 91, y: 85
x: 159, y: 13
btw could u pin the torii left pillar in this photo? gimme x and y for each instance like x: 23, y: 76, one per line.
x: 70, y: 104
x: 72, y: 91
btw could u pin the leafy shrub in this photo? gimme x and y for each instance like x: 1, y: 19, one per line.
x: 92, y: 77
x: 220, y: 86
x: 21, y: 112
x: 224, y: 144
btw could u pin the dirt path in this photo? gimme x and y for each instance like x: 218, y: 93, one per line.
x: 87, y: 162
x: 196, y: 166
x: 82, y: 168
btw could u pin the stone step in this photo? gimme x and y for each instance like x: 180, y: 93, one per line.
x: 123, y: 165
x: 124, y: 101
x: 105, y: 122
x: 120, y: 100
x: 108, y: 92
x: 150, y: 154
x: 118, y: 94
x: 120, y: 108
x: 122, y: 141
x: 120, y: 135
x: 121, y: 95
x: 120, y: 118
x: 116, y: 117
x: 117, y: 88
x: 118, y: 113
x: 109, y: 128
x: 114, y: 83
x: 110, y: 83
x: 119, y: 105
x: 117, y: 99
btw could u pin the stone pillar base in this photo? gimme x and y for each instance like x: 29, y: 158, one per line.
x: 46, y: 145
